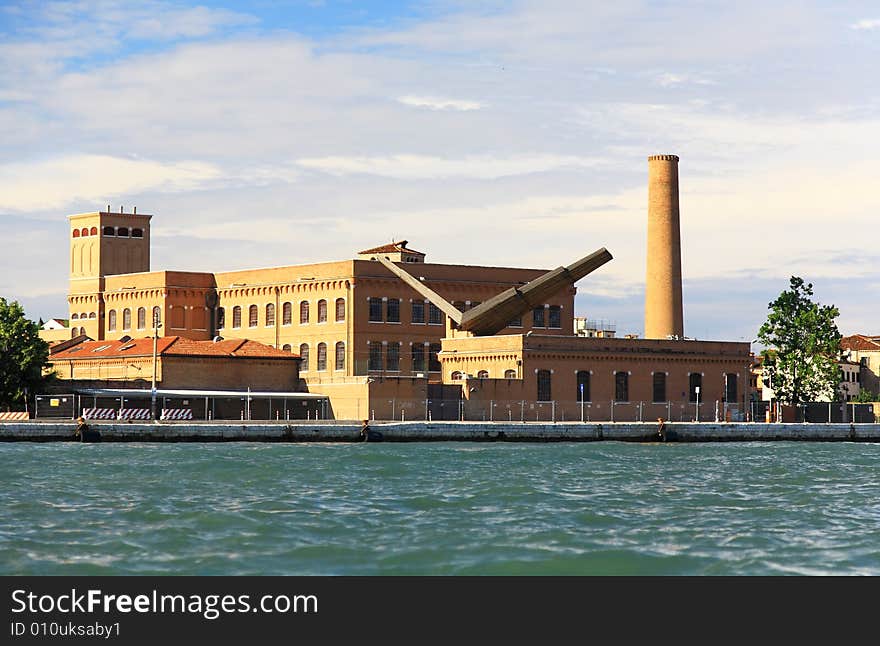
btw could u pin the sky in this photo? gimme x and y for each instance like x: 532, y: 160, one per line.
x: 497, y: 133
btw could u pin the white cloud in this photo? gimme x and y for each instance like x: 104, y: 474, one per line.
x: 866, y: 24
x: 437, y: 103
x: 53, y: 183
x: 428, y: 167
x: 668, y: 79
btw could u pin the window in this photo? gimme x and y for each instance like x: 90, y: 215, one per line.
x: 455, y: 376
x: 435, y: 316
x: 621, y: 386
x: 84, y: 232
x: 418, y: 312
x: 659, y: 387
x: 322, y: 356
x: 122, y: 232
x: 304, y: 355
x: 510, y: 374
x: 91, y: 315
x: 137, y: 233
x: 74, y: 316
x: 109, y: 231
x: 392, y: 311
x: 221, y: 318
x: 433, y: 358
x: 270, y: 315
x: 286, y: 347
x: 544, y: 392
x: 340, y: 309
x: 286, y: 313
x: 126, y: 319
x: 695, y: 381
x: 418, y: 358
x: 322, y: 311
x: 583, y: 386
x: 392, y: 357
x: 483, y: 374
x: 142, y: 318
x: 74, y: 332
x: 340, y: 355
x: 111, y: 321
x: 236, y: 316
x: 538, y: 317
x: 157, y: 316
x: 252, y: 315
x: 303, y: 312
x: 375, y: 310
x: 517, y: 322
x: 555, y: 317
x: 75, y: 235
x: 93, y: 231
x: 375, y: 357
x: 730, y: 393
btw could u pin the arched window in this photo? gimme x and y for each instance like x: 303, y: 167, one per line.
x: 659, y: 387
x: 583, y: 386
x: 695, y: 381
x: 142, y: 318
x: 109, y: 231
x: 157, y: 316
x: 340, y: 309
x: 322, y: 356
x: 455, y: 376
x: 286, y: 347
x: 483, y: 374
x: 111, y: 321
x: 303, y: 312
x: 122, y: 232
x: 84, y: 232
x: 137, y: 233
x: 74, y: 316
x: 340, y: 355
x: 322, y: 311
x: 221, y: 318
x: 82, y: 315
x: 286, y: 314
x: 252, y: 316
x: 92, y: 315
x: 74, y: 332
x: 93, y: 231
x: 126, y: 319
x: 304, y: 355
x: 544, y: 391
x: 621, y: 386
x: 270, y: 314
x: 236, y: 316
x: 510, y: 374
x: 76, y: 235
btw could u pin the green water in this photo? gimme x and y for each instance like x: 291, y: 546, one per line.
x: 440, y: 508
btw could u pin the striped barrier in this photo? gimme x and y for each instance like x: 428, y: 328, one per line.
x: 176, y: 413
x: 15, y: 416
x: 134, y: 413
x: 99, y: 413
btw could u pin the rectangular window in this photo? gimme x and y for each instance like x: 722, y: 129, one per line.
x: 621, y: 386
x: 418, y: 358
x: 433, y: 359
x: 695, y: 381
x: 375, y: 356
x: 375, y: 310
x: 583, y: 386
x: 392, y: 357
x: 544, y: 393
x: 435, y: 315
x: 517, y: 322
x: 221, y: 318
x: 418, y: 312
x: 538, y: 317
x: 555, y: 317
x: 392, y: 311
x: 659, y: 387
x: 730, y: 388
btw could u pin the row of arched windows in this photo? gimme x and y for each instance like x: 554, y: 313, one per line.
x: 286, y: 314
x: 83, y: 315
x: 321, y: 358
x: 483, y: 374
x: 116, y: 232
x: 112, y: 319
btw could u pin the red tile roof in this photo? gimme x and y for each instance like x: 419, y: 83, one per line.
x: 171, y: 346
x: 860, y: 342
x: 394, y: 247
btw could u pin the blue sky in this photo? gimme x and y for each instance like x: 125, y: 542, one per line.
x: 504, y: 133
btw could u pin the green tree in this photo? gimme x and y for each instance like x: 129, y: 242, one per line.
x: 23, y: 355
x: 865, y: 397
x: 801, y: 362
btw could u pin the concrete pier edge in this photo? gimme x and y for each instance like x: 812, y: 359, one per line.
x: 420, y: 431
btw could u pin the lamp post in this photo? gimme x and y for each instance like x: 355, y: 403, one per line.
x: 697, y: 405
x: 156, y: 326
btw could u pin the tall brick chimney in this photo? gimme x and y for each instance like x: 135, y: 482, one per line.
x: 663, y: 310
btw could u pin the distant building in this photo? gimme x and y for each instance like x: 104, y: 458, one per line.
x: 865, y: 350
x: 55, y: 330
x: 594, y: 328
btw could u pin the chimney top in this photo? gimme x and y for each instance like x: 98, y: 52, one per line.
x: 663, y: 158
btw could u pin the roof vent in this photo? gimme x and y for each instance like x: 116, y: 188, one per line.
x: 218, y: 339
x: 125, y: 339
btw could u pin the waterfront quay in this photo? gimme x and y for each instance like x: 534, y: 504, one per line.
x: 419, y: 431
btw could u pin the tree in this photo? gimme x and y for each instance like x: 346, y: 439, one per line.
x: 803, y: 343
x: 23, y: 355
